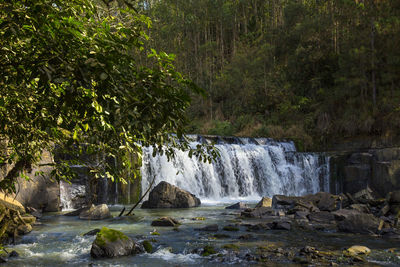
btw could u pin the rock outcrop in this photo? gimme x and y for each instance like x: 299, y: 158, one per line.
x: 238, y: 206
x: 165, y: 195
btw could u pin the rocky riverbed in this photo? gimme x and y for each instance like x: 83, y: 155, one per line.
x: 319, y: 229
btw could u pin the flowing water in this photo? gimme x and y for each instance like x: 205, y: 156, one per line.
x: 59, y: 241
x: 247, y: 169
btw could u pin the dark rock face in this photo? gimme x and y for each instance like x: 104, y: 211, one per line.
x: 165, y: 221
x: 360, y: 223
x: 258, y: 212
x: 99, y: 212
x: 110, y: 243
x: 238, y: 206
x: 321, y: 217
x: 165, y: 195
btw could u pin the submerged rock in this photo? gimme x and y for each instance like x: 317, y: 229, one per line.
x: 99, y: 212
x: 165, y: 221
x: 110, y: 243
x: 165, y: 195
x: 238, y: 206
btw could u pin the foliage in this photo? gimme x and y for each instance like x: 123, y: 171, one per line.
x: 328, y: 68
x: 79, y: 76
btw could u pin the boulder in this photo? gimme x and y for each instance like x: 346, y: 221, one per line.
x: 280, y: 225
x: 343, y: 214
x: 364, y: 195
x: 111, y: 243
x: 238, y: 206
x: 92, y: 232
x: 165, y: 221
x: 283, y: 202
x: 165, y: 195
x: 78, y: 211
x: 301, y: 215
x: 264, y: 202
x: 99, y: 212
x: 360, y: 223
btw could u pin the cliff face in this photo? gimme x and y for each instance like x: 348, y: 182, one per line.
x: 376, y: 168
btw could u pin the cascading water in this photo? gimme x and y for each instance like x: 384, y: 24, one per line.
x: 247, y: 169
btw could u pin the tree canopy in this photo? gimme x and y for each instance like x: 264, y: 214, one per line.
x: 79, y: 76
x: 314, y: 71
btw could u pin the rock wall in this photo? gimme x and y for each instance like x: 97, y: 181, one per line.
x: 40, y: 192
x: 378, y: 169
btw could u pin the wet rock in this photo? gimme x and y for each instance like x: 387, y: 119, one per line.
x: 198, y: 219
x: 148, y: 247
x: 258, y: 212
x: 326, y: 201
x: 308, y: 250
x: 231, y: 228
x: 258, y: 227
x: 358, y: 250
x: 99, y: 212
x: 3, y: 260
x: 92, y: 232
x: 360, y: 223
x: 208, y: 250
x: 280, y: 225
x: 13, y: 254
x: 78, y: 211
x: 221, y: 236
x: 238, y: 206
x: 321, y: 217
x: 384, y: 210
x: 246, y: 237
x: 111, y: 243
x: 342, y: 214
x: 165, y: 195
x: 34, y: 212
x: 210, y: 228
x: 264, y: 202
x: 165, y: 221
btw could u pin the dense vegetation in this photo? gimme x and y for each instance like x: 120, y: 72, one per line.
x: 309, y: 70
x: 70, y: 80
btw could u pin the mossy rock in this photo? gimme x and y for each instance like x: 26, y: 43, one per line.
x: 221, y: 236
x: 155, y: 233
x: 109, y: 235
x: 208, y: 250
x: 231, y: 228
x: 147, y: 246
x: 198, y: 219
x: 231, y: 247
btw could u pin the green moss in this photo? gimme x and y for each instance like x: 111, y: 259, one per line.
x: 220, y: 236
x: 231, y: 246
x: 108, y: 235
x: 155, y: 233
x: 208, y: 250
x: 147, y: 246
x: 230, y: 228
x: 198, y: 219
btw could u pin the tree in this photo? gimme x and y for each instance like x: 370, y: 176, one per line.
x: 71, y: 80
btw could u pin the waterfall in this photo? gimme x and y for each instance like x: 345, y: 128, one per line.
x: 247, y: 169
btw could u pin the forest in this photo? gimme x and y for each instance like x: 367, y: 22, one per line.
x: 309, y: 70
